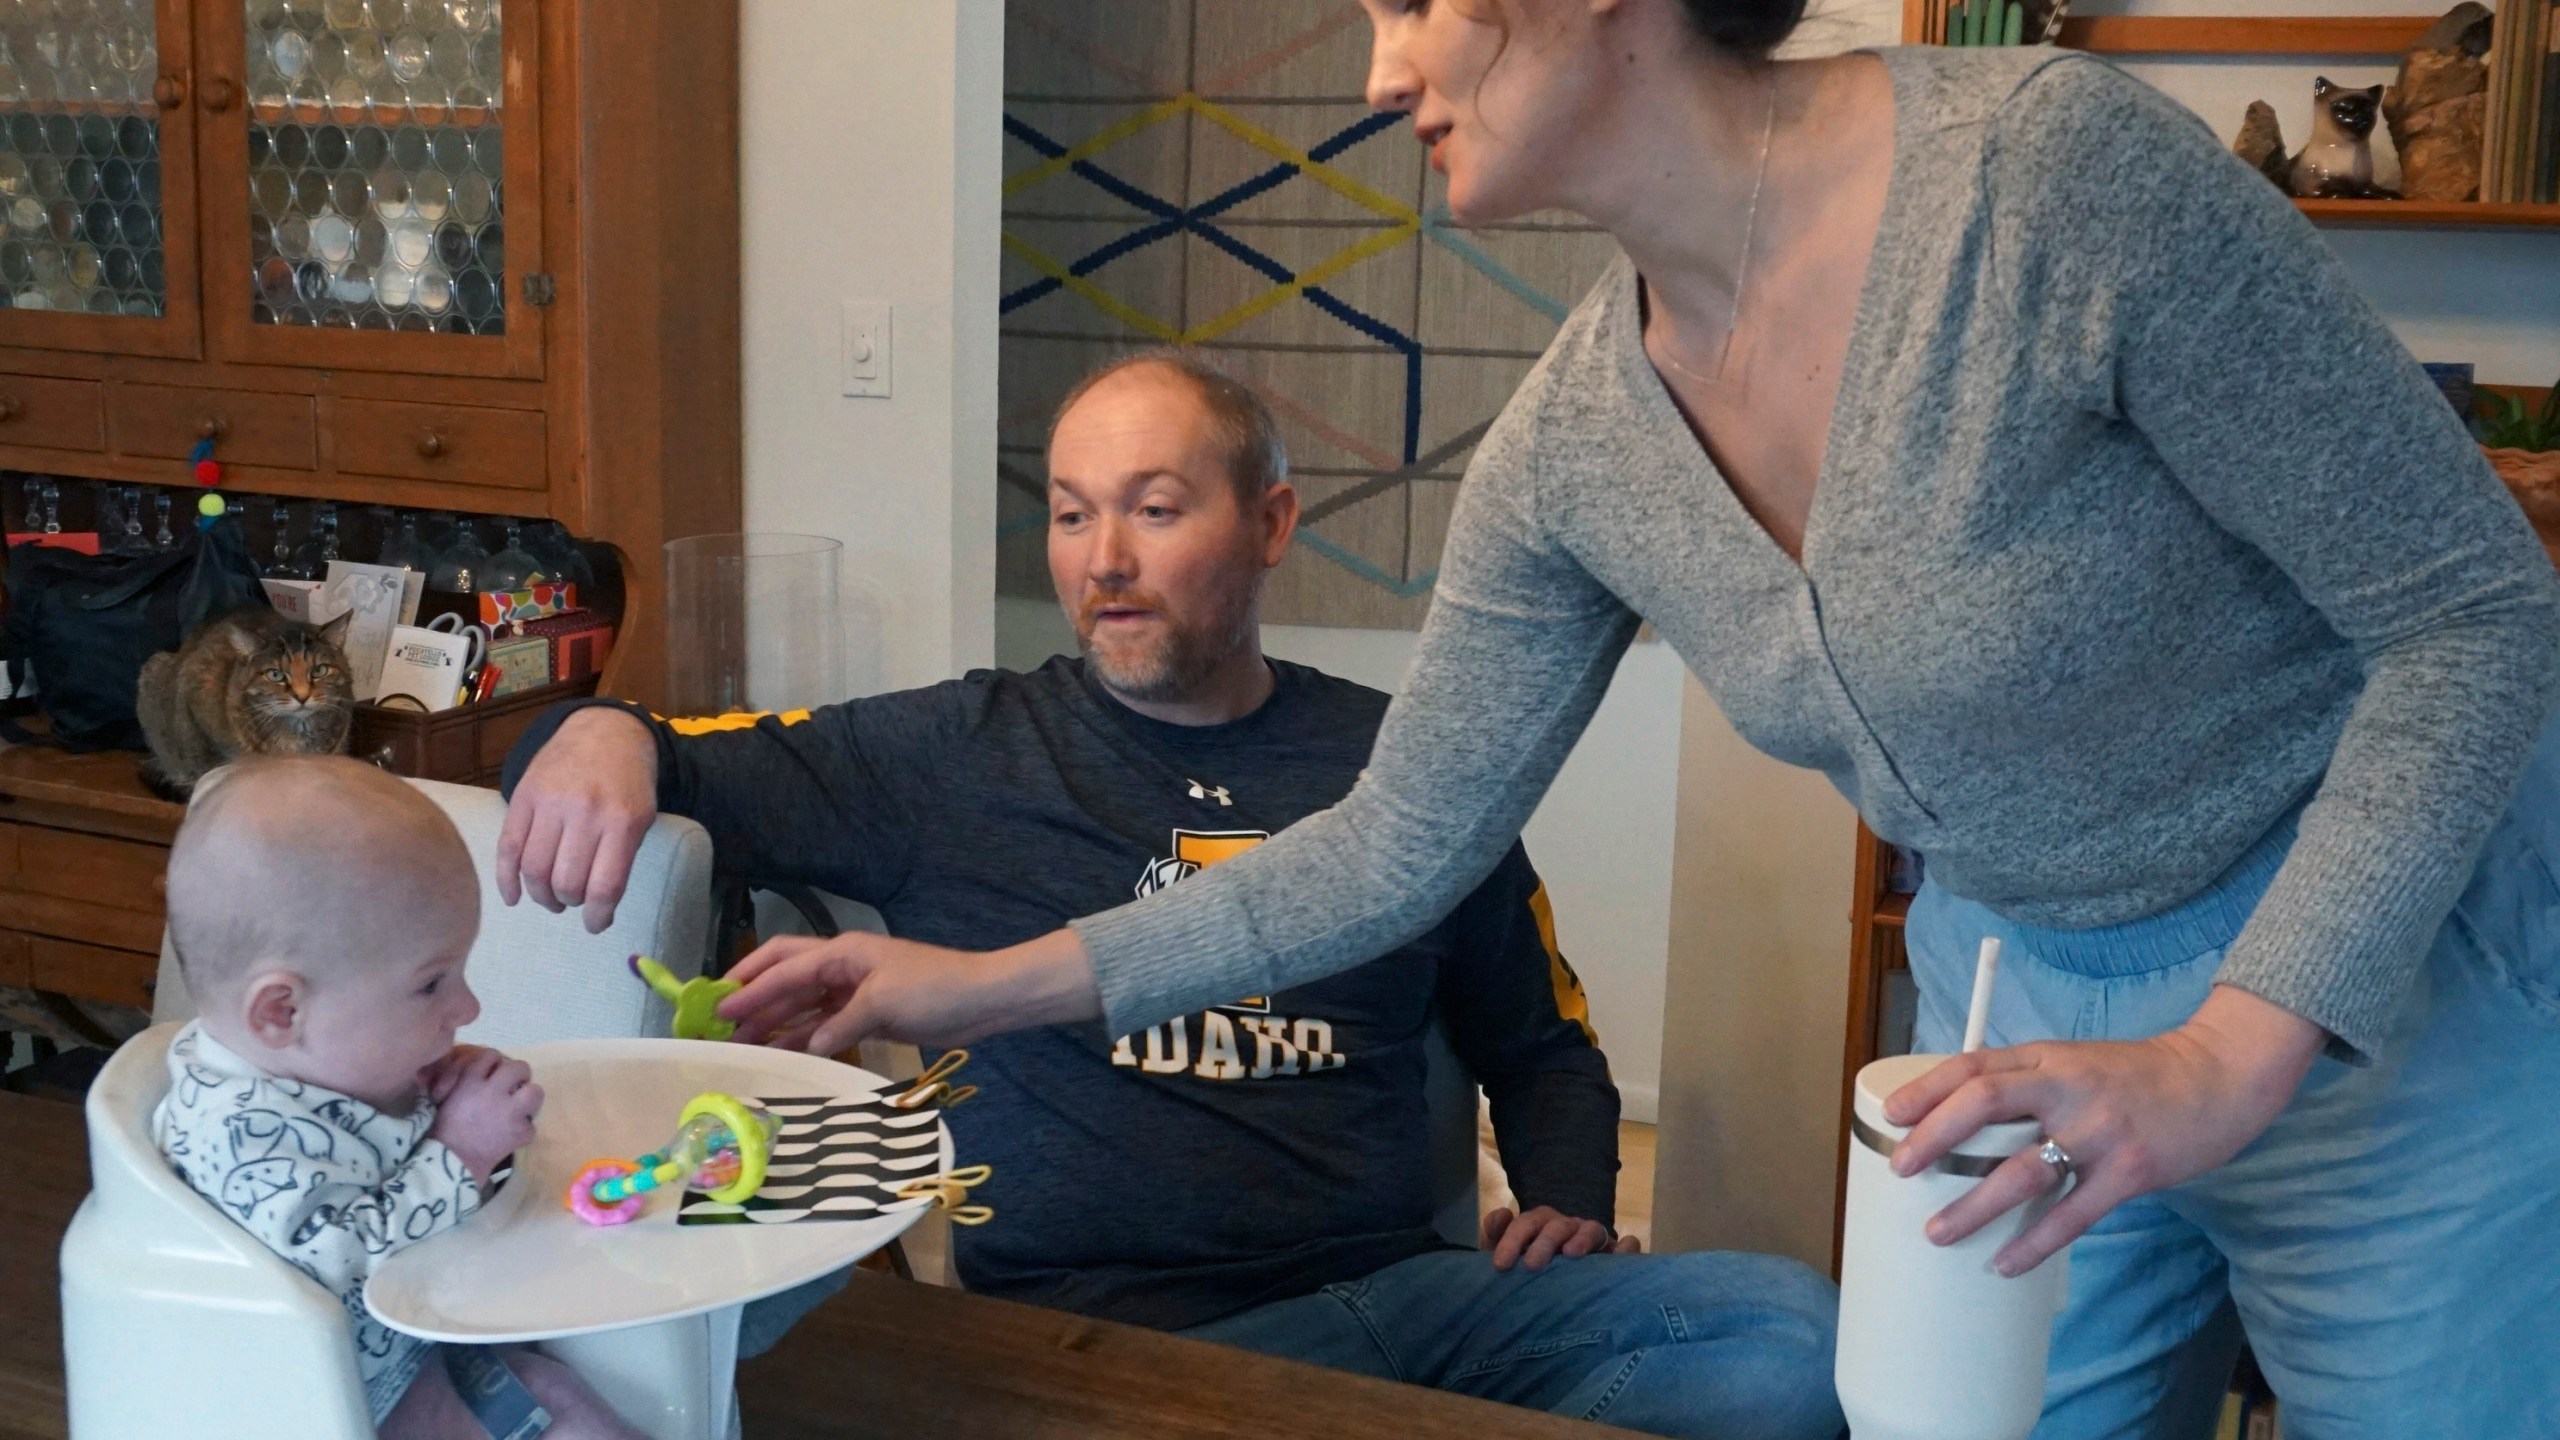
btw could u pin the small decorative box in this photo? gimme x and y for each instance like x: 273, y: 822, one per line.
x: 581, y: 640
x: 534, y: 602
x: 522, y: 664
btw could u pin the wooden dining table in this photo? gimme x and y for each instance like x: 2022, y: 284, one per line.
x: 887, y: 1357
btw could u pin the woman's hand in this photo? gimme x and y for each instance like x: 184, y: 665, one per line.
x: 824, y: 996
x: 2135, y: 1116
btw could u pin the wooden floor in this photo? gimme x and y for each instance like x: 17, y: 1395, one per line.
x: 1635, y: 1181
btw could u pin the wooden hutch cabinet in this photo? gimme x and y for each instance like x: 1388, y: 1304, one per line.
x: 459, y: 255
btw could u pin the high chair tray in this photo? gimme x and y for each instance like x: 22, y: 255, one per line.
x: 523, y: 1268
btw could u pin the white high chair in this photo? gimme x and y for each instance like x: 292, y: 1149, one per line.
x: 177, y: 1322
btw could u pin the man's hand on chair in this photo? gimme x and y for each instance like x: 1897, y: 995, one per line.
x: 1546, y: 1233
x: 577, y: 816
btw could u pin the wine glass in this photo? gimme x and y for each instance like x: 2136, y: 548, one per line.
x: 404, y: 548
x: 282, y: 562
x: 562, y: 559
x: 458, y: 570
x: 513, y: 567
x: 120, y: 521
x: 311, y: 558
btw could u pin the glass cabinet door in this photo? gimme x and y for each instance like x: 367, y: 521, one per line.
x: 373, y: 200
x: 97, y: 181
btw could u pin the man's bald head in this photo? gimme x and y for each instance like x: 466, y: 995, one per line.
x: 306, y: 862
x: 1241, y: 427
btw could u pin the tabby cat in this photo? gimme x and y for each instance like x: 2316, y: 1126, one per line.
x: 248, y: 683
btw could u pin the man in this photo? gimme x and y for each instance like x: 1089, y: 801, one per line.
x: 1255, y: 1174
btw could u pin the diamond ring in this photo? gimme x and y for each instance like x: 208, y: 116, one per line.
x: 2059, y: 1161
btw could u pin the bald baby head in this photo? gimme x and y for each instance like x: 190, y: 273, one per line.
x: 313, y: 863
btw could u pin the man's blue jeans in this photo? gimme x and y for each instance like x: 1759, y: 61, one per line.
x: 1734, y: 1347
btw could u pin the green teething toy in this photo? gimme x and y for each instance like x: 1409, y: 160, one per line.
x: 697, y: 1000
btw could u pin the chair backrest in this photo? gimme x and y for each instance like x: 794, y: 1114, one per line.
x: 541, y: 976
x: 127, y: 1171
x: 1450, y: 1093
x: 175, y: 1320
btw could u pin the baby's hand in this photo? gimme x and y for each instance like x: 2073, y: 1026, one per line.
x: 488, y: 1111
x: 439, y: 1078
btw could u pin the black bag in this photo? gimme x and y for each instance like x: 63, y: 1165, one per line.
x: 83, y: 624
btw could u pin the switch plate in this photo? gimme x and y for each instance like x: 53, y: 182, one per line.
x: 868, y: 331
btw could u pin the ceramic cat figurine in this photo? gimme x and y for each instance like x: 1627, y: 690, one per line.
x: 248, y: 683
x: 2338, y: 163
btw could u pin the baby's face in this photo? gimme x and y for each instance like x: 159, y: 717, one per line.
x: 373, y: 1024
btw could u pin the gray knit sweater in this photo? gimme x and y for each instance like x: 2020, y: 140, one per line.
x: 2136, y: 528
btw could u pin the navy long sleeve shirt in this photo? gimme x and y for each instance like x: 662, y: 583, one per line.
x: 1251, y: 1152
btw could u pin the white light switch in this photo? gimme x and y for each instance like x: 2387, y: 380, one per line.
x: 867, y: 334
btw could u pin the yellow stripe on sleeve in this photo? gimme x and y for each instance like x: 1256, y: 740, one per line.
x: 1570, y: 1001
x: 736, y: 720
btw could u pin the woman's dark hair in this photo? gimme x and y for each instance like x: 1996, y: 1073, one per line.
x: 1745, y: 29
x: 1748, y: 28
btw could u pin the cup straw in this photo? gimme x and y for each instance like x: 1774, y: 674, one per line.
x: 1985, y: 965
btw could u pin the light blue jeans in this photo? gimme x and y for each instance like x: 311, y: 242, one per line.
x: 1709, y: 1344
x: 2391, y: 1246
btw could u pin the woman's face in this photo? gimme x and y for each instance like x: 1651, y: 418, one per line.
x: 1503, y: 91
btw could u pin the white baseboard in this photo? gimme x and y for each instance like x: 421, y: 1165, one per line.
x: 1639, y: 1103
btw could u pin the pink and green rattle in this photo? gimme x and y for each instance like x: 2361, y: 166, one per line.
x: 721, y: 1147
x: 697, y: 1000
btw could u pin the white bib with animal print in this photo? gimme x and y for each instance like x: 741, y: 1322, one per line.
x: 327, y: 1181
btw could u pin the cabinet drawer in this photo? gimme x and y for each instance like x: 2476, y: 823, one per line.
x: 91, y: 972
x: 247, y: 428
x: 56, y: 414
x: 91, y: 869
x: 468, y: 445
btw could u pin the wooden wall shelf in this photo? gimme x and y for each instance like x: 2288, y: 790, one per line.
x: 2381, y: 36
x: 2375, y: 37
x: 2432, y: 214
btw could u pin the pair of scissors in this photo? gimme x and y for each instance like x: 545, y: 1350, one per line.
x: 475, y: 647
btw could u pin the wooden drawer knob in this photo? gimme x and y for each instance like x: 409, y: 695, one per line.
x: 169, y: 92
x: 219, y: 94
x: 8, y: 408
x: 212, y: 427
x: 430, y: 444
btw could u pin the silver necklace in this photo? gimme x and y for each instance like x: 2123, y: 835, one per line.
x: 1742, y: 272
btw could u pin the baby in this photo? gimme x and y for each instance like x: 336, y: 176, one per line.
x: 321, y: 911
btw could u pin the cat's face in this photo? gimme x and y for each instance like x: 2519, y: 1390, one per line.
x: 296, y: 679
x: 2353, y: 111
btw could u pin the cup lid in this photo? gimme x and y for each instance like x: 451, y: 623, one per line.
x: 1881, y: 1078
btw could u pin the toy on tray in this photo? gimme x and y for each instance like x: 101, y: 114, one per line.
x: 721, y: 1149
x: 697, y: 1000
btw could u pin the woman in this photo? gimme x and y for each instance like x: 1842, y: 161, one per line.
x: 1984, y: 435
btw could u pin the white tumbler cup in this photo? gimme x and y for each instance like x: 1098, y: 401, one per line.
x: 1934, y: 1343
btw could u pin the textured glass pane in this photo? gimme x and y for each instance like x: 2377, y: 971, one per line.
x: 80, y: 157
x: 376, y: 192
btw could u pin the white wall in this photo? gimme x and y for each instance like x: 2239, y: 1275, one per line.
x: 870, y: 157
x: 1602, y: 840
